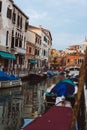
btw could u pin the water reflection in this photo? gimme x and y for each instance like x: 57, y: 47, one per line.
x: 24, y: 102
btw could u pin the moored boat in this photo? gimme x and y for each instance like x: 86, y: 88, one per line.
x: 7, y: 81
x: 59, y: 117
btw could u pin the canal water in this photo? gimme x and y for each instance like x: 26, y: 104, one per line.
x: 21, y: 103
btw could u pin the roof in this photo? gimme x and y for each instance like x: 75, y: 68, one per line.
x: 20, y: 10
x: 57, y: 118
x: 47, y: 32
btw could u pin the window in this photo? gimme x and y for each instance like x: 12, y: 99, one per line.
x: 68, y: 60
x: 14, y: 18
x: 16, y: 42
x: 38, y: 52
x: 40, y: 42
x: 21, y: 22
x: 20, y: 43
x: 7, y: 38
x: 75, y: 61
x: 36, y: 39
x: 12, y: 44
x: 45, y: 39
x: 44, y: 52
x: 9, y: 11
x: 24, y: 41
x: 12, y: 41
x: 18, y: 21
x: 35, y: 51
x: 26, y: 25
x: 30, y: 50
x: 0, y: 6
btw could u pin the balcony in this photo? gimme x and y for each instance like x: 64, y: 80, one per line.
x: 20, y: 50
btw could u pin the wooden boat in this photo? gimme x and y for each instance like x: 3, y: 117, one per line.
x: 59, y: 117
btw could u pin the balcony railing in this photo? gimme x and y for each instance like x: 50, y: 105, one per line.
x: 20, y: 50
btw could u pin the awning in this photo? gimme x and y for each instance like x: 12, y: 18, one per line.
x: 7, y: 55
x: 32, y: 61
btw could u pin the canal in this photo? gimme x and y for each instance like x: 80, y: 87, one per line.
x: 22, y: 102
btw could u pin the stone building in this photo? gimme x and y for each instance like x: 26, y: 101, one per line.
x: 30, y: 49
x: 75, y: 59
x: 44, y: 52
x: 13, y: 29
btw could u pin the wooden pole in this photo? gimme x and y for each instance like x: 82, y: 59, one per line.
x: 79, y: 94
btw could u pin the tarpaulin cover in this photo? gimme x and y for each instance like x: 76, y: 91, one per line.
x: 57, y: 118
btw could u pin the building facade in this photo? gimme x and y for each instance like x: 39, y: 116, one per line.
x: 13, y: 29
x: 30, y: 49
x: 74, y: 59
x: 45, y: 46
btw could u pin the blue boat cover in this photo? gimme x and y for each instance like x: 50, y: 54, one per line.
x: 63, y: 89
x: 5, y: 77
x: 50, y: 73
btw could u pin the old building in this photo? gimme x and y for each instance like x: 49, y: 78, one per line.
x: 13, y: 29
x: 72, y: 49
x: 6, y: 57
x: 45, y: 46
x: 58, y: 59
x: 30, y: 49
x: 75, y: 59
x: 55, y: 61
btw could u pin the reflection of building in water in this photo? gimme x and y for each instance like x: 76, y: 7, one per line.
x: 12, y: 112
x: 33, y: 100
x: 27, y: 107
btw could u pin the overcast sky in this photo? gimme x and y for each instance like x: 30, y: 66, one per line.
x: 66, y: 19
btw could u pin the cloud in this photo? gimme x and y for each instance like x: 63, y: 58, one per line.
x: 64, y: 40
x: 34, y: 15
x: 66, y: 19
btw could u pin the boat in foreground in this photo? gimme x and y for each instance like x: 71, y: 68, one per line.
x: 59, y: 117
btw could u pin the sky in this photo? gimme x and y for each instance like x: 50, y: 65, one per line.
x: 66, y: 19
